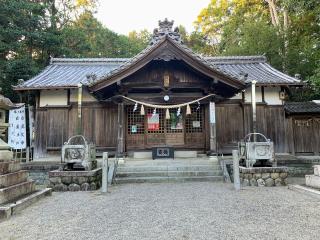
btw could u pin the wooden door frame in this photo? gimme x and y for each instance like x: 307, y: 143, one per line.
x: 186, y: 144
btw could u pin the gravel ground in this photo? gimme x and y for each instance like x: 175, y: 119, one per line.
x: 169, y: 211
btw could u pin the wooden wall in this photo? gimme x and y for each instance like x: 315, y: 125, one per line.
x: 290, y: 134
x: 234, y: 122
x: 54, y: 126
x: 306, y: 134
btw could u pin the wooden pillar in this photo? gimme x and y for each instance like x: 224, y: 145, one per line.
x: 120, y: 140
x: 212, y: 127
x: 315, y: 138
x: 254, y: 107
x: 79, y: 115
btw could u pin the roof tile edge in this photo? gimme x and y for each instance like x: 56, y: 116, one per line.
x: 88, y: 60
x: 236, y: 59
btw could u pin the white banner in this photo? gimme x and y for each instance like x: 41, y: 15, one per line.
x: 212, y: 110
x: 17, y: 128
x: 31, y: 125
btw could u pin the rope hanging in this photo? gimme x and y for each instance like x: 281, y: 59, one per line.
x: 165, y: 106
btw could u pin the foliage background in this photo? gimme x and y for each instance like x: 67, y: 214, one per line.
x: 285, y: 31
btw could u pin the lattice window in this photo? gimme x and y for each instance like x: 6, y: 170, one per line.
x: 175, y: 123
x: 194, y: 121
x: 154, y: 125
x: 135, y: 122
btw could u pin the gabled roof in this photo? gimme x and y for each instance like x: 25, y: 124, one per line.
x: 100, y: 72
x: 302, y: 107
x: 167, y: 47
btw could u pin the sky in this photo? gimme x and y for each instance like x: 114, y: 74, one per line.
x: 123, y: 16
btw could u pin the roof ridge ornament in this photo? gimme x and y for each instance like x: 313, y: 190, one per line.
x: 165, y: 29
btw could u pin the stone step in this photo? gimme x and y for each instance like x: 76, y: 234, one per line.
x: 193, y: 161
x: 10, y: 193
x: 313, y: 181
x: 9, y: 209
x: 168, y: 168
x: 168, y: 179
x: 9, y: 167
x: 13, y: 178
x: 177, y: 154
x: 168, y: 164
x: 169, y: 174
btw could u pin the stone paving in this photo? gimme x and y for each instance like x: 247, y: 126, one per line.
x: 192, y: 210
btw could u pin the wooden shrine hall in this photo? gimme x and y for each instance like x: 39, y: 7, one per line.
x: 167, y: 95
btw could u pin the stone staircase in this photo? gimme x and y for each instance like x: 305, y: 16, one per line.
x: 16, y: 191
x: 171, y: 170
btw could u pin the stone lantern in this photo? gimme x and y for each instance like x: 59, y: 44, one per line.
x: 5, y: 105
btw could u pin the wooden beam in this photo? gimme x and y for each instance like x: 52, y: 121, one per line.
x: 120, y: 138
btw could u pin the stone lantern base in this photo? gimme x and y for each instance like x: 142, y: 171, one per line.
x: 5, y: 153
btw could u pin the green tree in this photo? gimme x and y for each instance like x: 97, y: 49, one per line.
x: 87, y: 37
x: 286, y: 31
x: 32, y: 31
x: 22, y: 25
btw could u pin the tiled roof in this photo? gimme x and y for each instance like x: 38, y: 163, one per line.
x: 302, y: 107
x: 254, y: 67
x: 68, y: 72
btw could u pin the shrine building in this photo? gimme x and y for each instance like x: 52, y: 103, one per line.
x: 167, y: 95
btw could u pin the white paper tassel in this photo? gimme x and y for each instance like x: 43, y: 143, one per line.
x: 188, y: 110
x: 135, y: 107
x: 154, y: 112
x: 142, y: 110
x: 198, y: 107
x: 167, y: 114
x: 178, y: 111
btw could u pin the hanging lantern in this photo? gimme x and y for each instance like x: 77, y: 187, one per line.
x: 188, y: 110
x: 142, y: 110
x: 167, y: 114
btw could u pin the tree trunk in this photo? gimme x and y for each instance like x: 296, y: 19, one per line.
x: 273, y: 12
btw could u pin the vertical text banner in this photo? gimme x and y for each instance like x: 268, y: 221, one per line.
x: 17, y: 128
x: 31, y: 125
x: 212, y: 109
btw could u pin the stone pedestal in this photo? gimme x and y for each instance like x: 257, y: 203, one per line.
x: 314, y: 180
x: 75, y: 180
x: 5, y: 153
x: 263, y: 176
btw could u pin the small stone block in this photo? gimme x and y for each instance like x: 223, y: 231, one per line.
x: 265, y: 176
x: 313, y: 181
x: 278, y: 182
x: 316, y: 170
x: 269, y: 182
x: 274, y: 175
x: 85, y: 187
x: 253, y: 182
x: 261, y: 182
x: 283, y: 175
x: 74, y: 187
x: 245, y: 183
